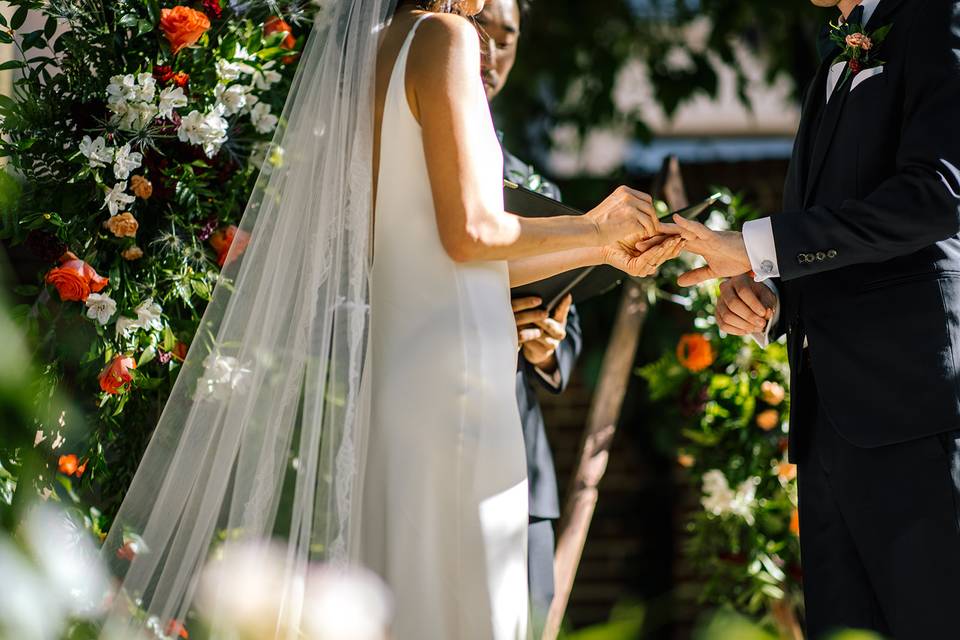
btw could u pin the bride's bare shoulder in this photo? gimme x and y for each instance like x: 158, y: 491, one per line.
x: 444, y: 42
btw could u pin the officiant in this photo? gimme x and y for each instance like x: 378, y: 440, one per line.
x: 550, y: 344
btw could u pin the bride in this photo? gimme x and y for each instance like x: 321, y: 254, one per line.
x: 351, y: 388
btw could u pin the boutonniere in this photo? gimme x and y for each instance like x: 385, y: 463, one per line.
x: 858, y: 47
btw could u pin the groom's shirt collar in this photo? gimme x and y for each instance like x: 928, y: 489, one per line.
x: 869, y: 6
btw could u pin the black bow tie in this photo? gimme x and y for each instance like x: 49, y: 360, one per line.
x: 827, y: 47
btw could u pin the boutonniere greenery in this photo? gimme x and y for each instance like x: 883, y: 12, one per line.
x: 858, y: 48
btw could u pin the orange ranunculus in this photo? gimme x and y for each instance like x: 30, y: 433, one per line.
x: 176, y: 628
x: 768, y: 420
x: 786, y: 471
x: 795, y: 522
x: 67, y: 464
x: 141, y: 187
x: 181, y: 78
x: 123, y: 225
x: 223, y: 239
x: 132, y: 253
x: 75, y: 279
x: 183, y: 26
x: 116, y: 376
x: 694, y: 352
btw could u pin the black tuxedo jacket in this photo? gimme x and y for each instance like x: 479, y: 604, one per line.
x: 867, y: 243
x: 541, y: 474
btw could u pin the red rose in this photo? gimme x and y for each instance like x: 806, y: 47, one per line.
x: 163, y: 73
x: 75, y: 279
x: 855, y: 67
x: 116, y: 376
x: 183, y: 26
x: 212, y: 8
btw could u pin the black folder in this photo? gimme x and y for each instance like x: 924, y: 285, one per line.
x: 583, y: 283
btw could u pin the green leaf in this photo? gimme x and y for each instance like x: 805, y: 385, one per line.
x: 5, y: 38
x: 12, y: 64
x: 144, y: 26
x: 33, y: 39
x: 153, y: 11
x: 148, y: 354
x: 129, y: 20
x: 19, y: 17
x: 50, y: 27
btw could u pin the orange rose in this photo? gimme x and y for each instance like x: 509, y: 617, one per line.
x: 694, y: 352
x: 786, y: 471
x: 123, y: 225
x: 132, y: 253
x: 116, y: 376
x: 768, y: 420
x: 223, y: 239
x: 795, y: 523
x: 141, y: 187
x: 183, y: 26
x: 275, y: 24
x: 67, y: 464
x: 75, y: 279
x: 772, y: 393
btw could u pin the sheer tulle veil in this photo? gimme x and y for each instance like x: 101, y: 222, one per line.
x: 264, y: 433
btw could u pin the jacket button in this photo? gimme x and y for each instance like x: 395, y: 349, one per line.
x: 821, y: 255
x: 832, y: 253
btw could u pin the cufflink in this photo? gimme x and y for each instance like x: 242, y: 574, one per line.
x: 766, y: 267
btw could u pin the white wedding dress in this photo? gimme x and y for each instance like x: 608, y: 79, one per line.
x: 444, y: 516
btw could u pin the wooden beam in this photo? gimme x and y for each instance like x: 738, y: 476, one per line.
x: 602, y: 421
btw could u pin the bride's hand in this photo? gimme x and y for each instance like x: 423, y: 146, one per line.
x: 639, y: 256
x: 625, y: 212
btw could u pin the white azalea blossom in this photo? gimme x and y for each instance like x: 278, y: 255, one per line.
x: 171, y: 98
x: 100, y: 307
x: 125, y: 326
x: 146, y: 87
x: 233, y: 97
x: 263, y: 121
x: 96, y: 151
x: 266, y: 77
x: 148, y: 314
x: 206, y: 130
x: 122, y: 87
x: 222, y: 376
x: 117, y: 198
x: 126, y: 161
x: 720, y: 499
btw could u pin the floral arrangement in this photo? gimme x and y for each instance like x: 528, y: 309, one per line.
x: 725, y: 399
x: 858, y: 48
x: 133, y: 137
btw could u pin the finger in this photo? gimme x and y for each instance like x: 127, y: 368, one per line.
x: 522, y: 304
x: 732, y: 319
x: 669, y: 229
x: 746, y: 293
x: 529, y: 334
x: 738, y: 307
x: 696, y: 276
x: 553, y: 329
x: 692, y: 227
x: 650, y: 243
x: 530, y: 317
x: 563, y: 309
x: 640, y: 195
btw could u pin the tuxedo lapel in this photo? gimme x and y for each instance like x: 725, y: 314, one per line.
x: 813, y: 108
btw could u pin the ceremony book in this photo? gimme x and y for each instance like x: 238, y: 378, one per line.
x: 582, y: 283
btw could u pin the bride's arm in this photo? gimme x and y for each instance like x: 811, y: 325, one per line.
x: 632, y: 256
x: 464, y: 161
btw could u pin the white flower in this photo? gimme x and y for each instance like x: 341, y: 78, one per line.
x: 171, y: 98
x: 347, y: 603
x: 116, y: 199
x: 100, y: 307
x: 39, y: 437
x: 719, y: 499
x: 262, y: 119
x: 126, y: 161
x: 191, y: 128
x: 148, y: 314
x: 266, y: 77
x: 147, y: 87
x: 96, y: 151
x: 207, y: 130
x: 222, y: 376
x: 233, y: 97
x: 252, y: 101
x: 122, y: 87
x: 125, y: 325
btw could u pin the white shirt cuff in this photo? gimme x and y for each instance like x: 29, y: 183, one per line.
x: 763, y: 338
x: 553, y: 379
x: 758, y: 238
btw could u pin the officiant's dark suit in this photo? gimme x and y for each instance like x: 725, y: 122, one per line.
x: 869, y: 262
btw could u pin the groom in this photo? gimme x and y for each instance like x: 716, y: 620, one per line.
x: 861, y: 271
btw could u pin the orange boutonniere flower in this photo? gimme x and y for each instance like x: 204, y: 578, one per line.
x: 694, y: 352
x: 183, y: 26
x: 75, y: 279
x: 116, y: 376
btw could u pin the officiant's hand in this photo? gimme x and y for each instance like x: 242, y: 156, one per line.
x: 724, y: 251
x: 540, y: 333
x: 638, y: 256
x: 745, y: 306
x: 623, y: 213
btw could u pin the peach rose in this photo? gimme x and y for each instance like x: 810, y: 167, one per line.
x: 223, y: 239
x: 123, y: 225
x: 768, y: 420
x: 772, y: 393
x: 116, y: 376
x: 859, y: 41
x: 75, y: 279
x: 183, y: 26
x: 132, y: 253
x: 694, y: 352
x: 141, y: 187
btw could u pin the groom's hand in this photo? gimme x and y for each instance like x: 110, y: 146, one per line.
x: 745, y: 306
x: 724, y: 251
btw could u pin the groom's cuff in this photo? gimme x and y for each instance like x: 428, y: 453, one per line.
x: 758, y: 238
